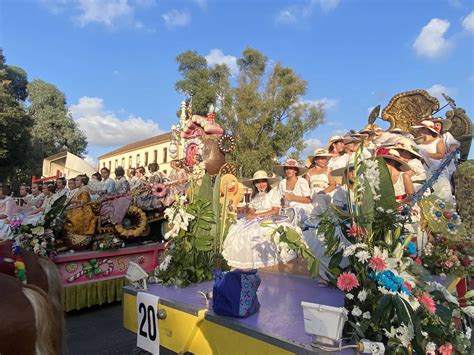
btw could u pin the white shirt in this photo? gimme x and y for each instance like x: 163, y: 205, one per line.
x: 339, y: 161
x: 265, y: 201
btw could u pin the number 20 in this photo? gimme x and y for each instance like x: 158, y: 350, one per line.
x: 150, y: 319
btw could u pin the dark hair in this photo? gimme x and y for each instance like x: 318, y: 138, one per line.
x: 395, y: 163
x: 152, y: 167
x: 98, y: 176
x: 141, y: 169
x: 72, y: 179
x: 132, y: 171
x: 62, y: 179
x: 255, y: 190
x: 106, y: 169
x: 119, y: 171
x: 84, y: 178
x: 27, y: 188
x: 51, y: 188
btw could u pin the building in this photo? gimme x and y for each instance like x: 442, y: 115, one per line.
x: 141, y: 153
x: 65, y: 164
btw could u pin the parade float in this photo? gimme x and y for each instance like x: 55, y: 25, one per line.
x: 387, y: 296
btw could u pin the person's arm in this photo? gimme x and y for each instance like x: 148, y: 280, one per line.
x: 300, y: 199
x: 332, y: 184
x: 440, y: 151
x: 273, y: 212
x: 409, y: 188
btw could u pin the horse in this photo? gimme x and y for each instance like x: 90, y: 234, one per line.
x: 29, y: 324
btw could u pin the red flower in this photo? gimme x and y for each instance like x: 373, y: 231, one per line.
x: 408, y: 286
x: 446, y: 349
x: 466, y: 261
x: 355, y: 231
x: 381, y: 151
x: 426, y: 299
x: 377, y: 263
x: 437, y: 263
x: 347, y: 281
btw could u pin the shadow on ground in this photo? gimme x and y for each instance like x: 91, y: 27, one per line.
x: 99, y: 330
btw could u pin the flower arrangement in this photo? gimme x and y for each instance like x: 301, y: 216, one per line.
x: 444, y: 257
x: 107, y: 242
x: 386, y: 297
x: 35, y: 238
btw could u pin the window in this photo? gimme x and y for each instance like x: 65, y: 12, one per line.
x: 138, y: 160
x: 103, y: 164
x: 155, y: 156
x: 110, y: 165
x: 130, y: 163
x: 165, y: 155
x: 123, y: 162
x: 116, y: 163
x: 146, y: 158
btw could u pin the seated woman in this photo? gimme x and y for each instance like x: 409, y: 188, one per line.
x: 320, y: 180
x: 294, y: 190
x: 248, y: 244
x: 8, y: 210
x: 433, y: 150
x: 121, y: 184
x: 80, y: 219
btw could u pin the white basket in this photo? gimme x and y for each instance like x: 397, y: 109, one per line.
x: 324, y: 322
x: 135, y: 272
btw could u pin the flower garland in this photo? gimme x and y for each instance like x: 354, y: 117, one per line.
x: 227, y: 144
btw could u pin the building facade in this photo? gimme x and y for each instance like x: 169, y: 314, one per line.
x: 141, y: 153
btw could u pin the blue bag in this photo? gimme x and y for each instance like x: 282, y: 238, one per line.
x: 235, y: 293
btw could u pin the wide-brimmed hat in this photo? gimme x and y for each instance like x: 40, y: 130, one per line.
x: 290, y: 163
x: 332, y: 140
x: 426, y: 124
x: 340, y: 171
x: 446, y: 122
x: 396, y: 130
x: 367, y: 131
x: 351, y: 139
x: 405, y: 144
x: 317, y: 153
x: 260, y: 175
x: 392, y: 154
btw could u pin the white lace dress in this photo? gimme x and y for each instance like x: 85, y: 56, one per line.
x: 301, y: 189
x: 319, y: 182
x: 249, y: 244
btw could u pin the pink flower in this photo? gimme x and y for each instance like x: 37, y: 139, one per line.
x: 347, y: 281
x: 446, y: 349
x: 408, y: 286
x: 377, y: 263
x: 448, y: 264
x: 355, y: 231
x: 428, y: 301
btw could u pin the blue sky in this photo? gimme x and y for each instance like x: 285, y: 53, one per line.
x: 115, y: 60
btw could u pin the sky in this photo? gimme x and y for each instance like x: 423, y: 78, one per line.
x: 115, y: 59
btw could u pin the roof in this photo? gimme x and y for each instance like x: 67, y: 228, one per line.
x: 139, y: 144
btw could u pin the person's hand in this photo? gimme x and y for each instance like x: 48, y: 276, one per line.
x: 288, y: 197
x: 250, y: 217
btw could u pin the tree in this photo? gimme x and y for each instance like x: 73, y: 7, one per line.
x: 53, y: 130
x: 14, y: 121
x: 263, y: 110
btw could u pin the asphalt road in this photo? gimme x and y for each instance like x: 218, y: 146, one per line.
x: 99, y: 330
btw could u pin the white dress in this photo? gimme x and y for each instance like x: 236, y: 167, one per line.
x: 442, y: 186
x: 319, y: 182
x: 7, y: 207
x: 301, y: 189
x: 249, y: 244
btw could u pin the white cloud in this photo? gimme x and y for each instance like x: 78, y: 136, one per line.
x: 468, y: 22
x: 294, y: 14
x: 55, y: 6
x: 431, y: 42
x: 216, y: 56
x: 324, y: 103
x: 108, y: 13
x: 91, y: 161
x: 145, y: 3
x: 104, y: 128
x: 176, y: 18
x: 311, y: 145
x: 437, y: 89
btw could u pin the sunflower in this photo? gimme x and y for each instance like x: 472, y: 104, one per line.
x: 133, y: 224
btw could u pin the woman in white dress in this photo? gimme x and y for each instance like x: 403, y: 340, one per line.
x: 294, y: 190
x: 320, y: 180
x: 249, y: 244
x: 433, y: 151
x: 8, y: 210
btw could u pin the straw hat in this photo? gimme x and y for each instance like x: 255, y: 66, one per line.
x: 332, y: 140
x: 290, y: 163
x: 317, y: 153
x: 392, y: 154
x: 405, y: 144
x: 351, y: 139
x: 447, y: 123
x: 367, y: 131
x: 260, y: 175
x: 426, y: 124
x: 340, y: 171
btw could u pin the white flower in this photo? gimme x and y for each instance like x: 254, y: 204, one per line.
x: 366, y: 315
x: 362, y: 296
x: 430, y: 347
x: 449, y: 297
x: 350, y: 250
x: 363, y: 256
x: 276, y: 238
x: 356, y: 311
x: 349, y: 296
x: 468, y: 333
x: 403, y: 333
x: 165, y: 263
x: 346, y: 312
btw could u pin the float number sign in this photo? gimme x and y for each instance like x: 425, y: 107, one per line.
x: 148, y: 335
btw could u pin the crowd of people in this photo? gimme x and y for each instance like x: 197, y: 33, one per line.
x: 327, y: 177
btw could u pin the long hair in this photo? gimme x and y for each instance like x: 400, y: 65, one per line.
x: 255, y: 190
x: 47, y: 329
